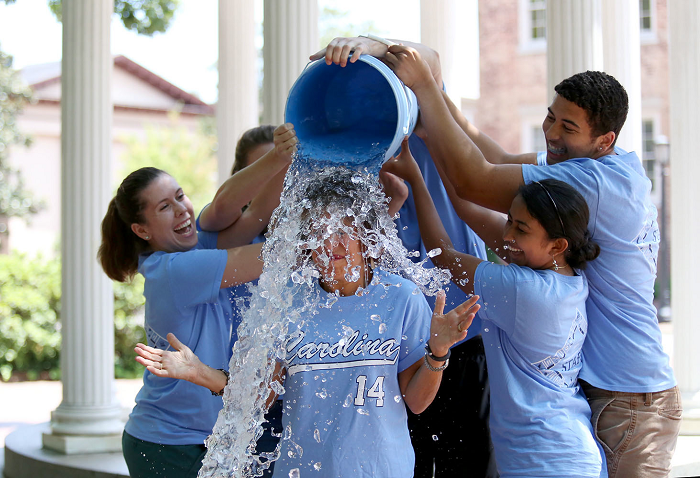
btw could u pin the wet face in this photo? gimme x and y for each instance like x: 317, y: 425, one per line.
x: 569, y: 135
x: 169, y: 222
x: 339, y: 256
x: 527, y: 241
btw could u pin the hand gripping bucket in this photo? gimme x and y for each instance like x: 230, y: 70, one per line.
x: 355, y: 115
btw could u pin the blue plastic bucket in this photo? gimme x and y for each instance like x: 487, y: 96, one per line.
x: 355, y: 115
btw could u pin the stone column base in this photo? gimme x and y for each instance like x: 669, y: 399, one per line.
x: 82, y: 444
x: 690, y: 424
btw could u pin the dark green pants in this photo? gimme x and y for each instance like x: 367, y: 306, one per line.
x: 150, y: 460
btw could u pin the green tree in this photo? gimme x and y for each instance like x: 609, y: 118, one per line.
x: 333, y: 24
x: 15, y: 199
x: 189, y: 157
x: 30, y: 327
x: 145, y: 17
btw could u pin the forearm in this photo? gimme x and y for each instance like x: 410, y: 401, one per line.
x: 487, y: 224
x: 434, y: 235
x: 207, y: 377
x: 238, y: 190
x: 243, y: 264
x: 492, y: 151
x: 473, y: 178
x: 420, y: 391
x: 256, y: 216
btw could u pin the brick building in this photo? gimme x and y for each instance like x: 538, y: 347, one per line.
x: 513, y: 76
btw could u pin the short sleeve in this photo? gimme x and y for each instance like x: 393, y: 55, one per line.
x: 195, y: 276
x: 415, y: 331
x: 495, y: 285
x: 541, y: 158
x: 199, y: 228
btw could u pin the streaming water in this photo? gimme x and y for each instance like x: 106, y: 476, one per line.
x: 316, y: 200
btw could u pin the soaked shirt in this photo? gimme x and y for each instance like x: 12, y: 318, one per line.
x: 624, y: 350
x: 534, y: 326
x: 342, y: 398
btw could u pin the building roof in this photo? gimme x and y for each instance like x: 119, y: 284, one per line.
x: 47, y: 74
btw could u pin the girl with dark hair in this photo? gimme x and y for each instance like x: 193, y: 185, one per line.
x: 533, y: 320
x: 150, y: 228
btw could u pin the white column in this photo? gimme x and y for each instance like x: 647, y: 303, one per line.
x: 291, y: 35
x: 88, y: 418
x: 438, y: 30
x: 622, y: 60
x: 237, y: 108
x: 574, y: 39
x: 684, y: 75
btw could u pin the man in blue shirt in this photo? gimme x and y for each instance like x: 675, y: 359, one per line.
x: 626, y: 374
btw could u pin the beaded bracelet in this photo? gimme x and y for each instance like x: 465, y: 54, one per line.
x: 435, y: 369
x: 221, y: 392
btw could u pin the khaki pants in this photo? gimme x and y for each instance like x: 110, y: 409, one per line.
x: 638, y: 431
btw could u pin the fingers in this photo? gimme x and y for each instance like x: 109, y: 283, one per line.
x: 468, y: 306
x: 174, y: 342
x: 285, y: 138
x: 318, y: 54
x: 148, y: 353
x: 439, y: 303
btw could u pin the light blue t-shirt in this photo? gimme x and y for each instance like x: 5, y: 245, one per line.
x: 534, y: 324
x: 183, y: 296
x: 463, y: 238
x: 342, y: 397
x: 623, y: 351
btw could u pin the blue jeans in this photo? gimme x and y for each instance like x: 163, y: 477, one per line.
x: 638, y: 431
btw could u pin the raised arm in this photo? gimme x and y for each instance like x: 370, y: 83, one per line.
x: 461, y: 265
x: 243, y: 264
x: 239, y: 189
x: 474, y: 178
x: 492, y: 151
x: 418, y: 384
x: 255, y: 217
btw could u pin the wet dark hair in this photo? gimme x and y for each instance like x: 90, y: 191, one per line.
x: 562, y: 212
x: 262, y: 134
x: 602, y: 97
x: 339, y: 190
x: 120, y: 247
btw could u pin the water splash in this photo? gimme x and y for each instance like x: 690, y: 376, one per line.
x: 305, y: 218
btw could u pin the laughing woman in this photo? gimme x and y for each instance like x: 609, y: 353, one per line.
x: 149, y: 228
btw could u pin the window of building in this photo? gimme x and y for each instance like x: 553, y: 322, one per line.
x: 647, y: 21
x: 533, y: 26
x: 538, y: 19
x: 645, y: 12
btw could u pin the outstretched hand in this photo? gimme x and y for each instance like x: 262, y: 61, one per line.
x: 404, y: 164
x: 450, y: 328
x: 179, y: 363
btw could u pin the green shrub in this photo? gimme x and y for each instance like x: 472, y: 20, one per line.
x: 30, y: 329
